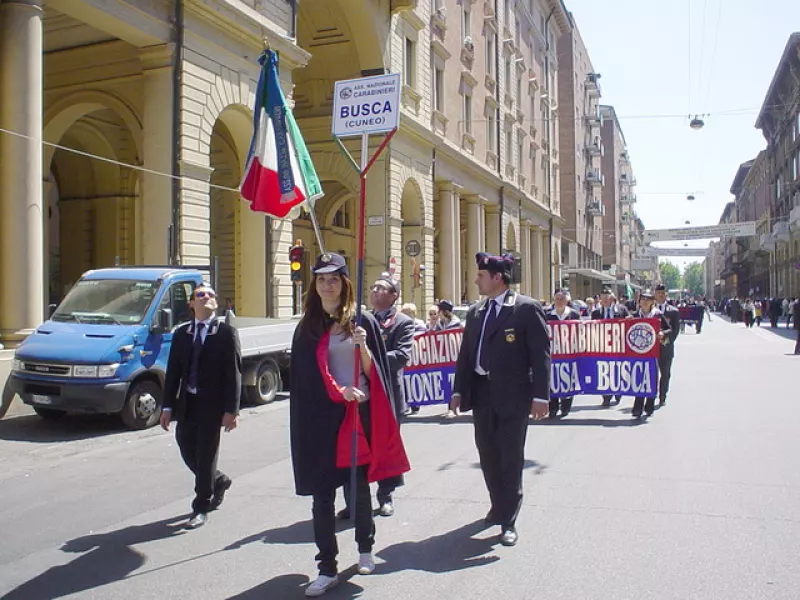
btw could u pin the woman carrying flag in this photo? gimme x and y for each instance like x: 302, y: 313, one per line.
x: 329, y: 404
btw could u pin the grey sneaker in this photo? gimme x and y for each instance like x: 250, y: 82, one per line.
x: 322, y: 584
x: 366, y: 563
x: 386, y: 509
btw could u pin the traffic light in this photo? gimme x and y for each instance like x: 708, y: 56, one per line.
x: 296, y: 255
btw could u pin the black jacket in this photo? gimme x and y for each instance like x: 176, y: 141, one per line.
x: 518, y: 353
x: 397, y: 331
x: 573, y: 315
x: 219, y: 383
x: 673, y: 317
x: 620, y: 312
x: 314, y: 419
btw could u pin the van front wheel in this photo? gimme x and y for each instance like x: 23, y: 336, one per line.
x: 143, y: 405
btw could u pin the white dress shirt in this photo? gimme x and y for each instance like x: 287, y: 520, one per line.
x: 203, y: 334
x: 495, y: 304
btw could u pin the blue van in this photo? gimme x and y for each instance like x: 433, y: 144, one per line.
x: 105, y: 347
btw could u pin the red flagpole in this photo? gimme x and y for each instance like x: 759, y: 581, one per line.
x: 366, y: 165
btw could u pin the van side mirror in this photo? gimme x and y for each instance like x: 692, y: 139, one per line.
x: 51, y: 309
x: 166, y: 320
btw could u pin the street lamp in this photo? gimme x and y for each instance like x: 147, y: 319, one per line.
x: 690, y: 197
x: 696, y: 123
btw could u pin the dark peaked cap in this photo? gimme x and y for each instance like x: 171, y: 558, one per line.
x: 495, y: 264
x: 330, y: 262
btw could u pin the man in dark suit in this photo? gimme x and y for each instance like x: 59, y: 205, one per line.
x: 201, y: 392
x: 673, y: 317
x: 397, y: 331
x: 503, y: 373
x: 609, y: 309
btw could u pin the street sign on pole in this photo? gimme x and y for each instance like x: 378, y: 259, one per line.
x: 413, y: 248
x: 392, y: 265
x: 701, y: 233
x: 366, y: 105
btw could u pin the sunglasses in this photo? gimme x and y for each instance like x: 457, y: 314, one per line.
x: 205, y: 295
x: 380, y: 288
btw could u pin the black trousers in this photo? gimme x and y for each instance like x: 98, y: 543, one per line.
x: 198, y: 436
x: 564, y: 403
x: 607, y: 398
x: 797, y: 343
x: 325, y: 524
x: 500, y: 441
x: 665, y: 370
x: 649, y: 405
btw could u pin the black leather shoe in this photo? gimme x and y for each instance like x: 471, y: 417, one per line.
x: 344, y: 514
x: 219, y: 493
x: 196, y: 520
x: 662, y: 402
x: 509, y: 537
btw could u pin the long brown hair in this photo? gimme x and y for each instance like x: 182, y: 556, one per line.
x: 313, y: 320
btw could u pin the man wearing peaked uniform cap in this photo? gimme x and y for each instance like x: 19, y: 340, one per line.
x: 503, y: 375
x: 667, y: 355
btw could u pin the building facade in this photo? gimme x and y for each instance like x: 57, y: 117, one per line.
x: 623, y: 254
x: 779, y: 122
x: 581, y: 151
x: 146, y: 129
x: 728, y: 257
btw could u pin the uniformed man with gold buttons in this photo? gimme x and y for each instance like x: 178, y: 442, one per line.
x: 503, y: 376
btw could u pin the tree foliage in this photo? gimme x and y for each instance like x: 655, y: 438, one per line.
x: 693, y: 278
x: 670, y: 275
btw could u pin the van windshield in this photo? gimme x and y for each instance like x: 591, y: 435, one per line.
x: 107, y: 301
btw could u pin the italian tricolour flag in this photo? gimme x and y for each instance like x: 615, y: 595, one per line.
x: 279, y: 174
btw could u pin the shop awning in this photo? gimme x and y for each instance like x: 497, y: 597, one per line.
x: 591, y: 274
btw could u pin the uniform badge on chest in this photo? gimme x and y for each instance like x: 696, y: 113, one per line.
x: 510, y: 336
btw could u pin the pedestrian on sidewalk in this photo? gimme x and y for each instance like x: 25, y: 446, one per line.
x: 503, y: 373
x: 796, y: 314
x: 329, y: 404
x: 202, y: 389
x: 397, y: 331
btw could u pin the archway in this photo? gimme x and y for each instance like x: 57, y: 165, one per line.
x: 345, y: 38
x: 411, y: 258
x: 236, y: 234
x: 511, y: 239
x: 91, y: 203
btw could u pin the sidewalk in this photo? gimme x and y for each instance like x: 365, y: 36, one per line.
x: 789, y: 333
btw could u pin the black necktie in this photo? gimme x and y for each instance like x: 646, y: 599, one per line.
x: 491, y: 316
x: 196, y: 348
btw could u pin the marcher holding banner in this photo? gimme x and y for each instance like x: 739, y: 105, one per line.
x: 609, y: 309
x: 561, y: 312
x: 503, y: 373
x: 647, y: 310
x: 673, y: 317
x: 328, y: 404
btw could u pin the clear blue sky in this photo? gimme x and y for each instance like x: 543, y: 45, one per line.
x: 684, y: 57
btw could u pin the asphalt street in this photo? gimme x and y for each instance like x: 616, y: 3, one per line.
x: 698, y: 502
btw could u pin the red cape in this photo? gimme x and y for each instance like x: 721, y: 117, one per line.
x: 385, y: 453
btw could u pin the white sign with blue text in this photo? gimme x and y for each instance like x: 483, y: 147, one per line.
x: 366, y: 105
